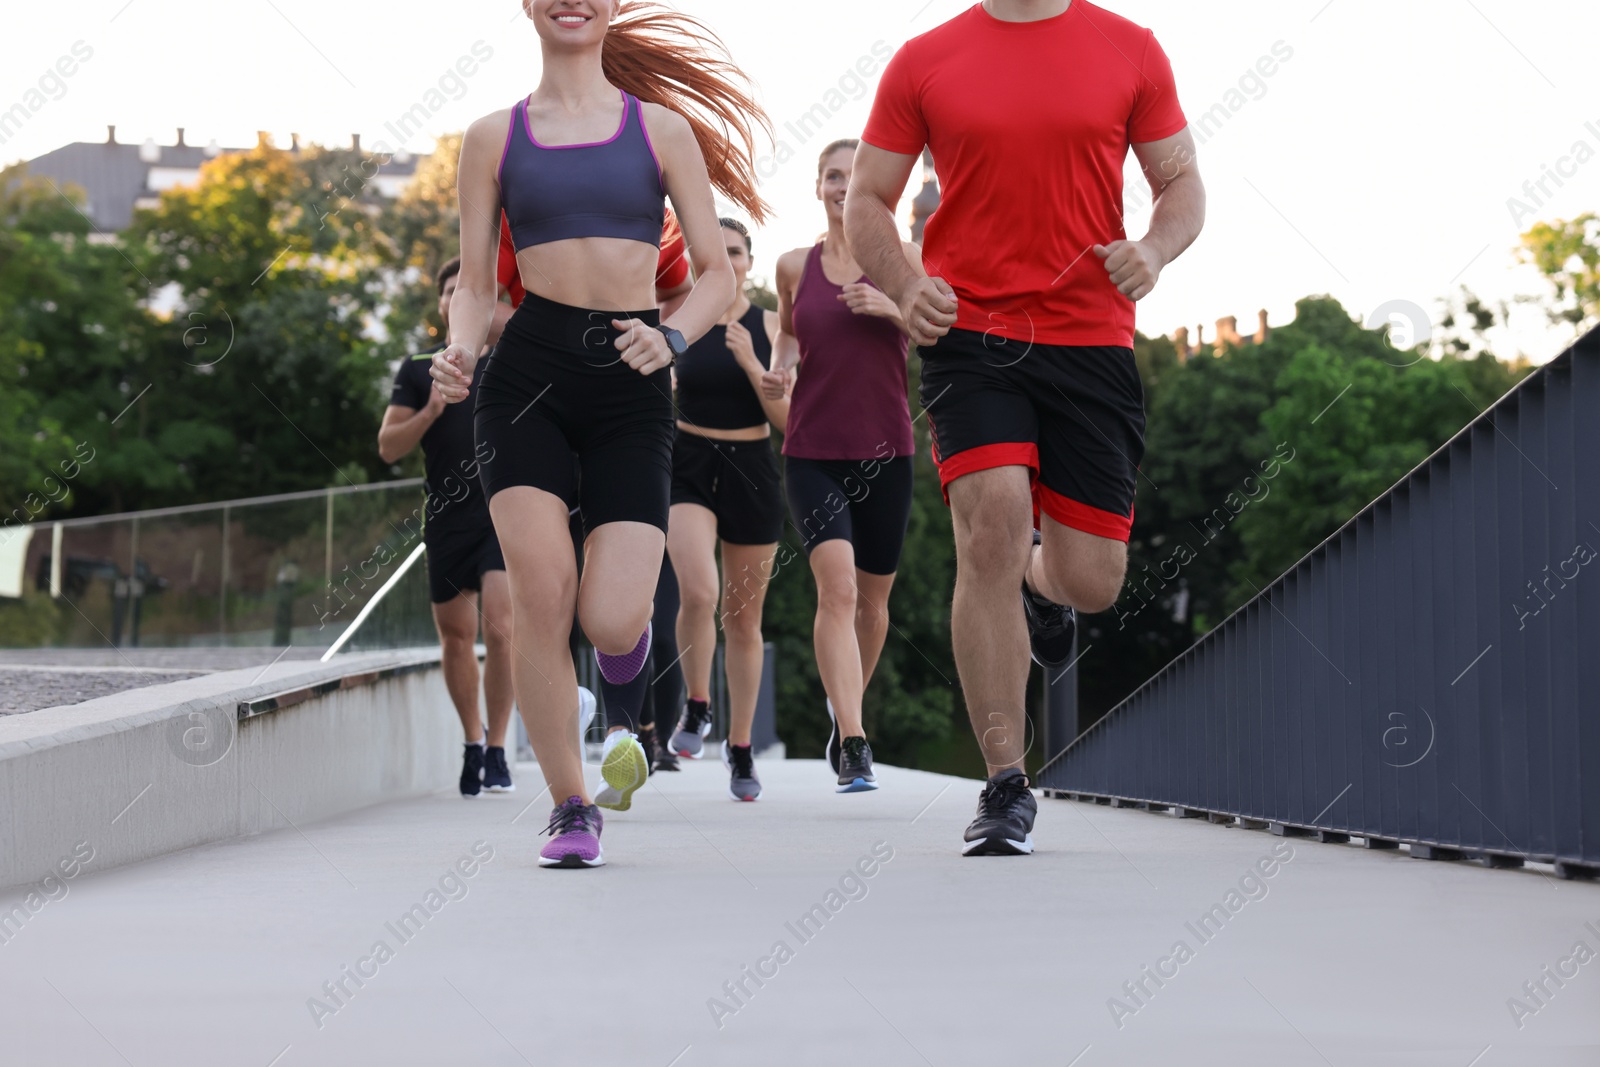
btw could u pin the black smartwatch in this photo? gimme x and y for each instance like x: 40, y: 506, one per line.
x: 675, y: 341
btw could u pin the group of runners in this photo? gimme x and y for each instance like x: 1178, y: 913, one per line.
x: 623, y: 388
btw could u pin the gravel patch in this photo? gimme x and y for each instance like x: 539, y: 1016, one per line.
x: 194, y: 659
x: 24, y: 690
x: 36, y: 678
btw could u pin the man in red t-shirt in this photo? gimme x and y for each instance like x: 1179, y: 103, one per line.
x: 1025, y: 328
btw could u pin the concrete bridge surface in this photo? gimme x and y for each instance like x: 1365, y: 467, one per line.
x: 807, y: 928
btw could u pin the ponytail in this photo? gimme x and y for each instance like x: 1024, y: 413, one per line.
x: 664, y: 57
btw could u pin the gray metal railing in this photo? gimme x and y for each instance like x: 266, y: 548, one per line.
x: 293, y: 568
x: 1428, y: 675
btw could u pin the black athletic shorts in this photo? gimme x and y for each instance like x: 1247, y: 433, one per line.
x: 459, y: 557
x: 1074, y: 415
x: 556, y: 385
x: 864, y: 501
x: 736, y: 480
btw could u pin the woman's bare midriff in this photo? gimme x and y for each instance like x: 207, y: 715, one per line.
x: 748, y: 433
x: 607, y: 273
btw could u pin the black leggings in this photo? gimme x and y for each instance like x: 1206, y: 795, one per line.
x: 658, y: 689
x: 666, y: 687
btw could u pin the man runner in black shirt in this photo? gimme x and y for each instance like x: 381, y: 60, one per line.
x: 464, y: 562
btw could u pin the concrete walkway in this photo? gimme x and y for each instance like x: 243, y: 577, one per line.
x: 1339, y: 957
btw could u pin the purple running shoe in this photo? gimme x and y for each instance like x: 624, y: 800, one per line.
x: 619, y: 670
x: 575, y: 836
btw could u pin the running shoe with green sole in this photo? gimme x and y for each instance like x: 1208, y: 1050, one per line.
x: 624, y: 768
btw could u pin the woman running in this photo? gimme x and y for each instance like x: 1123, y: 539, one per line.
x: 725, y: 488
x: 847, y: 456
x: 628, y: 109
x: 672, y: 286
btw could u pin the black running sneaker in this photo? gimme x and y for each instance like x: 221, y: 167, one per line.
x: 1051, y: 627
x: 666, y: 760
x: 1004, y: 826
x: 855, y: 769
x: 647, y: 741
x: 833, y: 739
x: 471, y: 770
x: 496, y: 773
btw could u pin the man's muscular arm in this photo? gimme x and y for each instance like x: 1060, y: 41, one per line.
x: 1180, y: 212
x: 928, y: 305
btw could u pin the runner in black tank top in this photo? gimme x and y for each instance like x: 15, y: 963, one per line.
x: 466, y: 570
x: 725, y: 488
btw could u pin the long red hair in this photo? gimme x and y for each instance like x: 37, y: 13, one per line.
x: 666, y: 57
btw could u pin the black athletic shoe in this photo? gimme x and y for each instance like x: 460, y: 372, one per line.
x: 833, y: 739
x: 1051, y: 627
x: 1004, y: 826
x: 666, y: 760
x: 855, y: 770
x: 1050, y: 630
x: 647, y: 741
x: 471, y: 770
x: 496, y: 774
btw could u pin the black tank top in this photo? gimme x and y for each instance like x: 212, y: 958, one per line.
x: 713, y: 390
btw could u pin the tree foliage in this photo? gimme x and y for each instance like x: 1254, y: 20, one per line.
x: 1567, y: 253
x: 68, y: 311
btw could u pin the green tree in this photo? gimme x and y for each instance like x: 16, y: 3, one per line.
x: 1387, y: 420
x: 263, y: 378
x: 423, y: 226
x: 1567, y: 253
x: 68, y: 309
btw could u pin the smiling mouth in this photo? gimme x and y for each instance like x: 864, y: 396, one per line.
x: 571, y: 19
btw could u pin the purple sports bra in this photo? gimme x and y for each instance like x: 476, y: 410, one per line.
x: 608, y: 188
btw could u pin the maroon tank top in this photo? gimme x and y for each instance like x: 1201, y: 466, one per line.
x: 849, y: 400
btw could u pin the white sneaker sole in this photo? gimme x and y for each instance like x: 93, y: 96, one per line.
x: 991, y: 846
x: 565, y: 861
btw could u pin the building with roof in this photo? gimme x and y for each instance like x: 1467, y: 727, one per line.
x: 119, y: 177
x: 1227, y: 336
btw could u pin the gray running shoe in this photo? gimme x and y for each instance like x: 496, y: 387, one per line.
x: 742, y: 781
x: 689, y: 740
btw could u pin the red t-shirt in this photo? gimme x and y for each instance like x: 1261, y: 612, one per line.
x: 1029, y: 124
x: 672, y: 266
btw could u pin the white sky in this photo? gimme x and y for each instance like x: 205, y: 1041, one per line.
x: 1376, y: 166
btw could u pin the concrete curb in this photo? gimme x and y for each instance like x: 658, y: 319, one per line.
x: 166, y: 767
